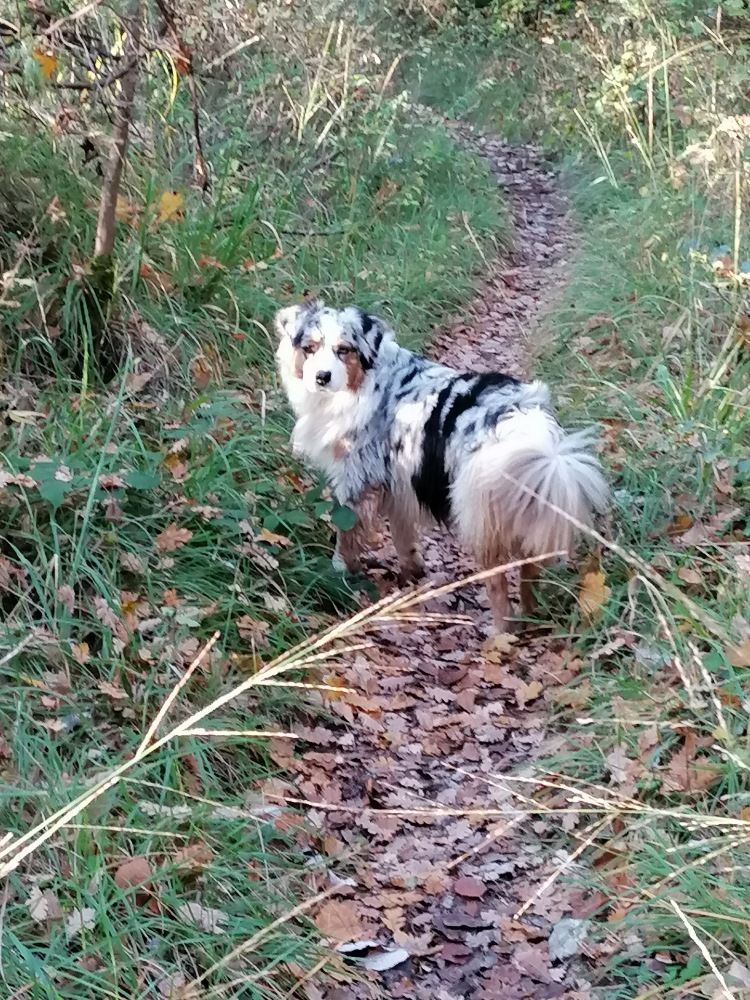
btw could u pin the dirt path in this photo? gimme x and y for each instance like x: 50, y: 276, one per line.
x: 439, y: 719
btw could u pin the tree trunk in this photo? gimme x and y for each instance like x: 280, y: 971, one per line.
x: 105, y: 227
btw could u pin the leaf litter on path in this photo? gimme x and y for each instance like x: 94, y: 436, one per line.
x: 409, y: 770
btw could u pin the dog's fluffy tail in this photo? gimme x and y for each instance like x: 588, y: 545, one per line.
x: 518, y: 492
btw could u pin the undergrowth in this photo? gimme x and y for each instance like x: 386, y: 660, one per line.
x: 148, y: 495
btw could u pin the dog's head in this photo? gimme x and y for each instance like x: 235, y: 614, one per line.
x: 329, y: 350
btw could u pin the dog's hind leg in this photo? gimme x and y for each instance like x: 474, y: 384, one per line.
x: 529, y: 576
x: 497, y: 592
x: 405, y: 534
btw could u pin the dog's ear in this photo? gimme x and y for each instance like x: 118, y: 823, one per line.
x: 374, y: 331
x: 290, y: 320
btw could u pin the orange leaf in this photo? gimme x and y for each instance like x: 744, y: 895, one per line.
x: 173, y: 538
x: 593, y: 595
x: 47, y: 63
x: 272, y: 539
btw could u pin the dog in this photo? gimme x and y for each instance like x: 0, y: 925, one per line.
x: 480, y: 453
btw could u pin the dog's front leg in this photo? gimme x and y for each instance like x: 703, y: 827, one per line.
x: 347, y: 556
x: 405, y: 537
x: 351, y: 544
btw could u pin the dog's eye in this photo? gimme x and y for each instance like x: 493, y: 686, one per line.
x: 343, y: 351
x: 307, y: 350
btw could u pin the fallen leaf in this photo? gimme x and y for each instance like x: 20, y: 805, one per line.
x: 686, y: 773
x: 170, y: 207
x: 690, y: 576
x: 207, y: 918
x: 253, y: 630
x: 66, y: 596
x: 80, y: 652
x: 567, y: 937
x: 381, y: 961
x: 470, y: 888
x: 134, y: 872
x: 193, y: 857
x: 271, y: 538
x: 173, y: 538
x: 47, y: 62
x: 593, y: 595
x: 78, y: 920
x: 55, y: 211
x: 43, y: 905
x: 340, y: 920
x: 125, y: 211
x: 739, y: 656
x: 107, y: 617
x: 112, y: 691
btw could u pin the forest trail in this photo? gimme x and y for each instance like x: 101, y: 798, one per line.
x: 440, y: 716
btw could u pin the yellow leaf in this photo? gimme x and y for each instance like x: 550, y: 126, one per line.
x: 593, y: 595
x: 170, y: 207
x: 47, y: 62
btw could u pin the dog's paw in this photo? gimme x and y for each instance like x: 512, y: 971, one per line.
x: 411, y: 574
x: 338, y: 563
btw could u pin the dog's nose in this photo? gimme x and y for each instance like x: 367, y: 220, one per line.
x: 323, y: 378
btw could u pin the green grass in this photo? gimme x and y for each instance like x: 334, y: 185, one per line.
x: 155, y: 411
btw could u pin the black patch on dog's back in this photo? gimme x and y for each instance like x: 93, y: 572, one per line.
x: 430, y: 481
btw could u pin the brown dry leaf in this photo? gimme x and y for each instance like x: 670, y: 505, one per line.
x: 686, y: 773
x: 271, y: 538
x: 112, y: 691
x: 739, y: 656
x: 178, y: 468
x: 690, y: 576
x: 135, y: 871
x: 55, y: 211
x: 253, y: 630
x: 193, y: 857
x: 173, y: 538
x: 133, y: 563
x: 107, y: 617
x: 66, y: 596
x: 470, y: 888
x: 341, y: 921
x: 80, y: 652
x: 111, y: 481
x: 207, y: 918
x: 593, y: 595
